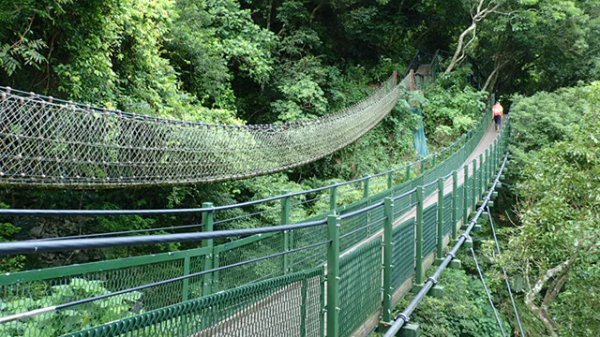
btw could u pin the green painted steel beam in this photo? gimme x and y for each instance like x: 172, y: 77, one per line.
x: 420, y: 276
x: 286, y: 213
x: 208, y: 222
x: 387, y: 259
x: 333, y: 276
x: 440, y: 218
x: 455, y: 209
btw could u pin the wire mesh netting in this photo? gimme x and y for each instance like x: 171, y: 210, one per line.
x: 447, y: 214
x: 34, y: 289
x: 288, y: 306
x: 429, y: 229
x: 403, y: 253
x: 56, y: 143
x: 360, y: 287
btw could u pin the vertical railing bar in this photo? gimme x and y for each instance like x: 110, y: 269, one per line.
x: 286, y: 207
x: 333, y: 276
x: 387, y: 259
x: 440, y: 220
x: 208, y: 222
x: 419, y: 237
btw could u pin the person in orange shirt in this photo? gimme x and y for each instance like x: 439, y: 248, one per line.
x: 498, y: 111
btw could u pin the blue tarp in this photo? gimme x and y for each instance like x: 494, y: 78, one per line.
x: 420, y: 139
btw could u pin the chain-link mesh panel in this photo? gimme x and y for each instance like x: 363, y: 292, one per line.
x: 37, y: 289
x: 278, y: 307
x: 55, y: 143
x: 404, y: 204
x: 360, y: 286
x: 247, y: 249
x: 469, y: 187
x: 403, y: 253
x: 310, y: 257
x: 429, y: 229
x: 459, y: 202
x: 447, y: 228
x: 360, y: 227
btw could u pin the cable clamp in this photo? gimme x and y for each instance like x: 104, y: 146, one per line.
x: 451, y: 254
x: 404, y: 317
x: 433, y: 280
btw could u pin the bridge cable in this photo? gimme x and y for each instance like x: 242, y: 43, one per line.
x: 512, y: 299
x: 487, y: 291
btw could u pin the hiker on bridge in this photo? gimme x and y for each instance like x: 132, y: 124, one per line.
x: 498, y: 111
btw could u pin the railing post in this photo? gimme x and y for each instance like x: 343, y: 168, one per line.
x: 286, y: 210
x: 496, y: 156
x: 474, y: 183
x: 486, y: 171
x: 455, y: 197
x: 303, y: 307
x: 420, y: 277
x: 491, y: 164
x: 208, y: 224
x: 185, y: 287
x: 481, y: 183
x: 390, y: 180
x: 465, y: 194
x: 333, y: 198
x: 388, y: 209
x: 407, y: 173
x: 440, y: 216
x: 333, y: 276
x: 367, y: 187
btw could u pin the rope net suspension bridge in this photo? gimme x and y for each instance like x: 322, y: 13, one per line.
x: 338, y: 273
x: 51, y: 142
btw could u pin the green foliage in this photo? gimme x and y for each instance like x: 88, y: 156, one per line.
x: 546, y: 118
x: 557, y: 186
x: 463, y: 311
x: 451, y: 108
x: 68, y: 320
x: 7, y: 231
x: 206, y: 37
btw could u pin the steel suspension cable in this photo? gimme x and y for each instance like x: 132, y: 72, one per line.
x: 487, y: 292
x: 512, y: 299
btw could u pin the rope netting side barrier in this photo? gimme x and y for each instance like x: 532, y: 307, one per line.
x: 51, y: 142
x: 250, y: 285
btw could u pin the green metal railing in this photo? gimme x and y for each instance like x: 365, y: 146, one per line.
x: 247, y: 283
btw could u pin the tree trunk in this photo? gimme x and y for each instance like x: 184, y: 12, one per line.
x: 459, y: 53
x: 490, y: 82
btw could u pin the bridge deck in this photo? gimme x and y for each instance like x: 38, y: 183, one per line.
x: 232, y: 326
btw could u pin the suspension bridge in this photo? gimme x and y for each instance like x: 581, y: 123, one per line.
x: 339, y: 272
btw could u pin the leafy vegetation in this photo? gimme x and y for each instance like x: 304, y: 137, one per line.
x: 556, y: 187
x: 59, y: 323
x: 272, y: 61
